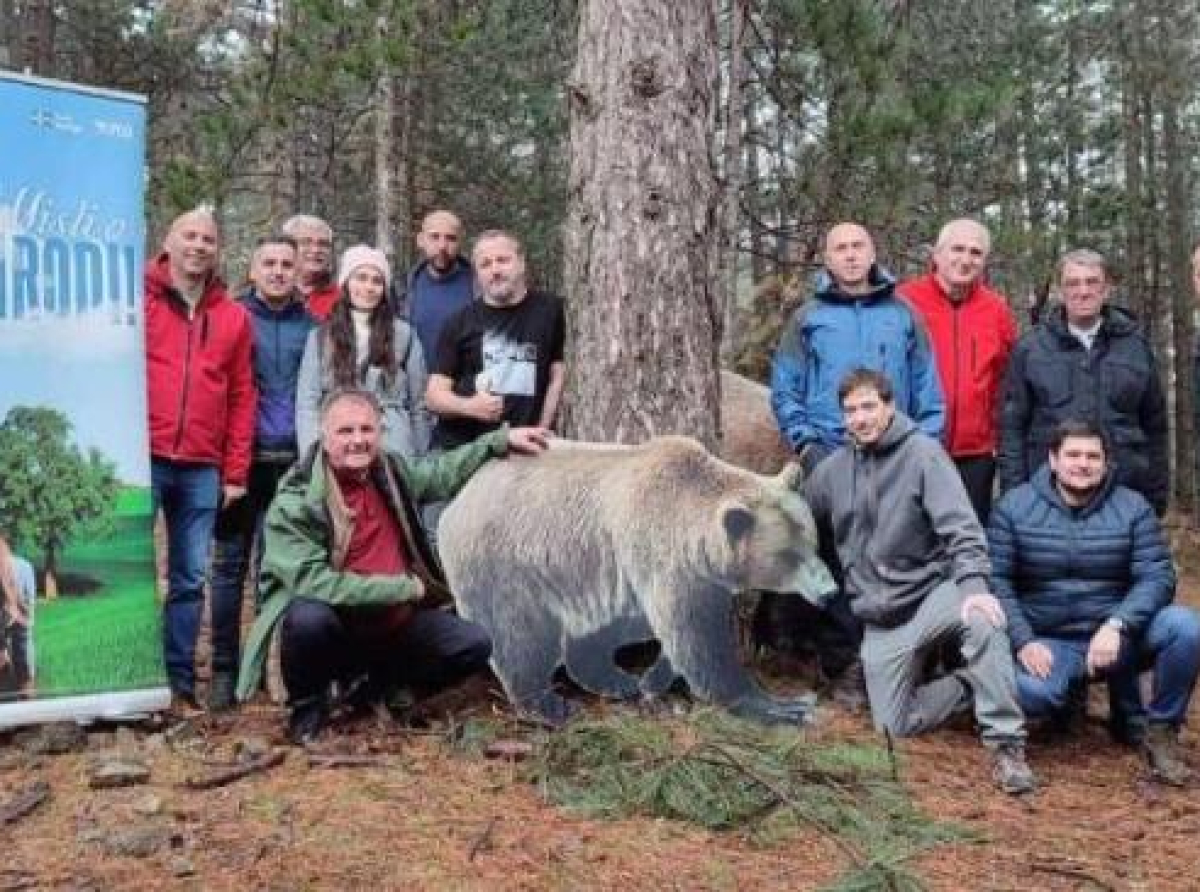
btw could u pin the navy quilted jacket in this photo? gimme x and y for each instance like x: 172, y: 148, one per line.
x: 1063, y: 571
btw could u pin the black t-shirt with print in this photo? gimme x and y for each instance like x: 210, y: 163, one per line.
x: 510, y: 349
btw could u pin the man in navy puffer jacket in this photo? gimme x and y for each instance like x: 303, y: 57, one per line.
x: 1085, y: 576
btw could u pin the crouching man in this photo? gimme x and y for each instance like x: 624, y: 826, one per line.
x: 1086, y: 578
x: 348, y: 575
x: 916, y: 571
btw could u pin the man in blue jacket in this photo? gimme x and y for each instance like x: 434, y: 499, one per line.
x: 854, y: 320
x: 1085, y: 576
x: 281, y: 324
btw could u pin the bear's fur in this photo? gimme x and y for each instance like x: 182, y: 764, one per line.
x: 750, y: 435
x: 567, y: 557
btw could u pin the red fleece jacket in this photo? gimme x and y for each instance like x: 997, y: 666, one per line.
x: 972, y: 340
x: 199, y: 376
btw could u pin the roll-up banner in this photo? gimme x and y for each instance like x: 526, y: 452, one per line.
x: 81, y: 634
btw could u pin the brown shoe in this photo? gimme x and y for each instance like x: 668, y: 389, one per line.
x: 1161, y: 749
x: 1010, y: 771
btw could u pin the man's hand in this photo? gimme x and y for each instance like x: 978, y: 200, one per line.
x: 988, y: 606
x: 528, y: 440
x: 230, y: 494
x: 484, y: 406
x: 1103, y: 651
x: 1037, y: 659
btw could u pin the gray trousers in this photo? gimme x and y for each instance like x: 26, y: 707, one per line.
x: 894, y: 659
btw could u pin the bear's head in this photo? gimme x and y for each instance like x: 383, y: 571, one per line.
x: 772, y: 540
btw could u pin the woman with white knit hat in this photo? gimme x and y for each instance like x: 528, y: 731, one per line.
x: 363, y: 345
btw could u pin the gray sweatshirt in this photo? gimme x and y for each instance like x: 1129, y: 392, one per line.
x: 901, y: 522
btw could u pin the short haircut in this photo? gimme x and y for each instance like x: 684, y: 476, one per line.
x: 1083, y: 257
x: 1078, y: 427
x: 864, y: 377
x: 489, y: 234
x: 276, y: 238
x: 965, y: 222
x: 350, y: 395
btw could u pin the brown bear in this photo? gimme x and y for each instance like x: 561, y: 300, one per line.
x: 567, y: 557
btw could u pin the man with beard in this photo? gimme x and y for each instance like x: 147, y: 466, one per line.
x: 314, y: 255
x: 500, y: 358
x: 1085, y: 576
x: 441, y: 284
x: 281, y: 325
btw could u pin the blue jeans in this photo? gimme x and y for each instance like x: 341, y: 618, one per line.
x: 1169, y: 646
x: 189, y: 496
x: 238, y: 531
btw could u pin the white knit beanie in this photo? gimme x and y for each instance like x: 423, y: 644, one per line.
x: 363, y: 255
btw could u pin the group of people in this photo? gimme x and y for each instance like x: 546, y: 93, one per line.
x: 905, y: 401
x: 353, y: 406
x: 290, y: 395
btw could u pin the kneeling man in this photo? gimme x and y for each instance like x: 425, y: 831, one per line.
x: 916, y: 571
x: 1085, y: 576
x: 347, y: 569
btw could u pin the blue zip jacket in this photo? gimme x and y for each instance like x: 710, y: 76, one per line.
x: 1061, y: 571
x: 279, y: 339
x: 832, y: 334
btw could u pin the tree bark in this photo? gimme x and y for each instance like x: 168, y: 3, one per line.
x: 731, y: 185
x: 644, y: 311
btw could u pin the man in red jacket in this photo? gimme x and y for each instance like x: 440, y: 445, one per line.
x: 314, y: 239
x: 973, y: 333
x: 201, y: 397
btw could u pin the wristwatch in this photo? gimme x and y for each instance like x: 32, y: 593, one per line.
x: 1115, y: 622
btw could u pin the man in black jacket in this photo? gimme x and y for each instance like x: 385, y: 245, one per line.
x: 1087, y: 361
x: 1085, y: 576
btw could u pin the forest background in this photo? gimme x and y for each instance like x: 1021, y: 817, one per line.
x: 672, y: 165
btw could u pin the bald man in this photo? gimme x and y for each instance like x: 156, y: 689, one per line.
x: 441, y: 283
x: 201, y: 399
x: 854, y: 320
x: 973, y: 333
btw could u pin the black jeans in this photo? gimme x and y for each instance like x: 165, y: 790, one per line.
x: 238, y: 531
x: 978, y: 473
x: 433, y: 650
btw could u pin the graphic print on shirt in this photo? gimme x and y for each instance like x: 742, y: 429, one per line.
x: 510, y: 367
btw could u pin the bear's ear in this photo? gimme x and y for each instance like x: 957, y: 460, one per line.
x: 791, y: 476
x: 738, y: 521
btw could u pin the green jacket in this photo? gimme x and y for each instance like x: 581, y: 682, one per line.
x: 308, y: 531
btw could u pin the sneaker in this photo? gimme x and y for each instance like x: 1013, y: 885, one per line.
x: 307, y: 720
x: 1161, y: 750
x: 221, y: 696
x: 849, y: 690
x: 1010, y: 771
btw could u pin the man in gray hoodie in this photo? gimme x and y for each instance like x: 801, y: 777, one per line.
x: 916, y: 571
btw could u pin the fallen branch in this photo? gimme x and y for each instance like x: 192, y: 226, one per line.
x: 797, y: 808
x: 483, y: 840
x: 346, y: 760
x: 236, y: 773
x: 24, y: 803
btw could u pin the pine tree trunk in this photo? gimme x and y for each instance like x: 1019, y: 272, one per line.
x: 644, y: 310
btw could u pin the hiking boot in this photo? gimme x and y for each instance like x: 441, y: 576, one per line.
x: 1161, y: 749
x: 849, y: 690
x: 307, y: 720
x: 221, y: 696
x: 1010, y: 771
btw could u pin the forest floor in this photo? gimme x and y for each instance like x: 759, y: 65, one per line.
x: 418, y: 812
